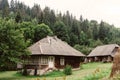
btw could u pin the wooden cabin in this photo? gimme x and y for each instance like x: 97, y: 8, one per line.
x: 52, y: 53
x: 104, y: 53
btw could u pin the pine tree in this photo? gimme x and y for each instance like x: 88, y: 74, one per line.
x: 4, y: 6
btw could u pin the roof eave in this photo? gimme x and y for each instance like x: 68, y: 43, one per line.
x: 56, y: 55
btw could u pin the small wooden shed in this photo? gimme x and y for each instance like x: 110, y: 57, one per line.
x: 104, y: 53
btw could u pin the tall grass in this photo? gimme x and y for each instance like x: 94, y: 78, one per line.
x: 97, y: 74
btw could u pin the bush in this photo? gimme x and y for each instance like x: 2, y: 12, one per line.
x: 67, y: 70
x: 25, y: 72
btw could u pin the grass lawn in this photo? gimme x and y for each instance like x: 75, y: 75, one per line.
x: 86, y: 69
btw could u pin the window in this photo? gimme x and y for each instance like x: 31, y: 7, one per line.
x: 51, y: 58
x: 44, y: 60
x: 62, y: 61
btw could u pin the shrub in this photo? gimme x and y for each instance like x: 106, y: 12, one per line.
x: 67, y: 70
x: 25, y: 72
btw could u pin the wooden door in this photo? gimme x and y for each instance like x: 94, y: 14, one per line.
x: 51, y: 62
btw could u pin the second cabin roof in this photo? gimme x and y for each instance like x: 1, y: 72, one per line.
x: 104, y: 50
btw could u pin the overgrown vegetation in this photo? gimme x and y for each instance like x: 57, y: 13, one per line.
x: 67, y: 70
x: 97, y: 74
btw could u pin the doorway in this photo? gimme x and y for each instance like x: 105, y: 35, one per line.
x: 51, y: 62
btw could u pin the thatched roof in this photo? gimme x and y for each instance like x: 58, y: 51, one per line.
x: 104, y: 50
x: 53, y: 46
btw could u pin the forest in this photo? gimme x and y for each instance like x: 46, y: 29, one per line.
x: 21, y: 26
